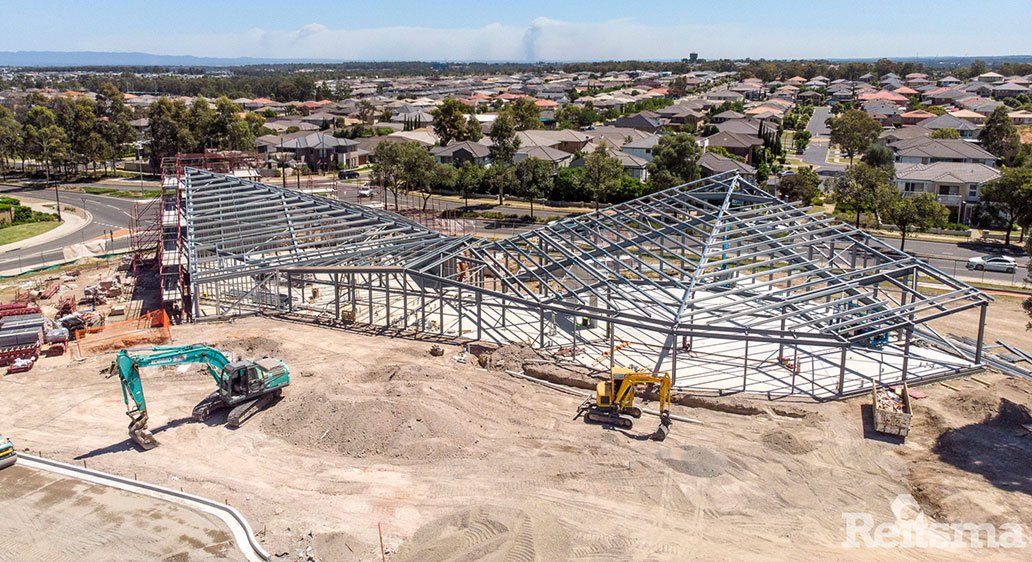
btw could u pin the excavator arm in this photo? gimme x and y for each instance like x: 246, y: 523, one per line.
x: 128, y: 365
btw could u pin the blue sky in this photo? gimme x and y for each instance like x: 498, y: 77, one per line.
x: 521, y: 29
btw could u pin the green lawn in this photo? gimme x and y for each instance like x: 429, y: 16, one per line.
x: 18, y: 232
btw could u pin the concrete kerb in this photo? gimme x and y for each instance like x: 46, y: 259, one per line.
x: 72, y: 223
x: 238, y: 525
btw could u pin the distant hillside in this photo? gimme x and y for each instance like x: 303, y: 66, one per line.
x: 89, y: 58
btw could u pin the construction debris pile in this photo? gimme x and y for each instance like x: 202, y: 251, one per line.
x: 889, y: 400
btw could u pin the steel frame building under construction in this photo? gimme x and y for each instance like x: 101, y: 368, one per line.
x: 716, y: 281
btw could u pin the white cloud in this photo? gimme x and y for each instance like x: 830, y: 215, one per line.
x: 545, y: 39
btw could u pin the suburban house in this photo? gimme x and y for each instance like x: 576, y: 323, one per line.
x: 735, y: 143
x: 711, y: 164
x: 726, y: 116
x: 1021, y: 117
x: 459, y: 152
x: 322, y: 151
x: 558, y: 158
x: 642, y: 148
x: 809, y: 96
x: 565, y: 140
x: 928, y: 151
x: 633, y: 166
x: 915, y: 117
x: 724, y: 95
x: 1008, y: 90
x: 956, y: 185
x: 643, y: 121
x: 972, y: 117
x: 966, y: 129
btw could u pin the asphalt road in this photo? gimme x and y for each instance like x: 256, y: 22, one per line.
x: 816, y: 153
x: 952, y: 258
x: 109, y: 214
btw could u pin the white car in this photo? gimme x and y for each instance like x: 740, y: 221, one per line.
x: 365, y: 191
x: 993, y: 263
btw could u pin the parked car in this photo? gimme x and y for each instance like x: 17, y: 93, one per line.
x: 993, y: 263
x: 365, y: 191
x: 347, y: 175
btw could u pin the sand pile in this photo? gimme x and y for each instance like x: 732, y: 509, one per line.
x: 785, y: 442
x: 488, y: 533
x: 695, y: 461
x: 402, y: 428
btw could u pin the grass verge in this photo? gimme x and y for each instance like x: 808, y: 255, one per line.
x: 9, y: 234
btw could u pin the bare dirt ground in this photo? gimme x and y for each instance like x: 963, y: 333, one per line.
x: 455, y: 462
x: 45, y: 516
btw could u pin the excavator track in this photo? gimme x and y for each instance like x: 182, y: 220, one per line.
x: 211, y: 404
x: 615, y: 420
x: 245, y: 410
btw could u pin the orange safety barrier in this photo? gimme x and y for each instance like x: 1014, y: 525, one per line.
x: 151, y: 328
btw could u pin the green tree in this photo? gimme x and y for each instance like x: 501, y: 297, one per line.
x: 853, y: 131
x: 920, y: 212
x: 443, y: 177
x: 499, y: 177
x: 525, y: 113
x: 936, y: 109
x: 417, y: 169
x: 474, y: 131
x: 387, y: 167
x: 201, y: 124
x: 228, y: 130
x: 114, y: 122
x: 977, y: 68
x: 10, y: 138
x: 1011, y: 193
x: 1000, y: 136
x: 602, y: 175
x: 469, y: 180
x: 504, y: 144
x: 679, y: 87
x: 44, y: 140
x: 533, y: 179
x: 168, y: 131
x: 675, y: 160
x: 863, y: 187
x: 450, y: 121
x: 804, y: 185
x: 880, y: 156
x: 946, y: 133
x: 801, y: 140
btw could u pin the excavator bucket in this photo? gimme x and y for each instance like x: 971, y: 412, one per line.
x: 663, y: 430
x: 139, y: 433
x: 144, y: 438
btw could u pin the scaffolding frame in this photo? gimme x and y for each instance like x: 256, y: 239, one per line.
x: 715, y: 260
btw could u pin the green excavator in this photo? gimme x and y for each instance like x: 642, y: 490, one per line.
x: 245, y: 386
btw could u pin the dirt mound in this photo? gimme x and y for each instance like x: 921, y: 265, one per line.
x: 401, y: 428
x: 490, y: 534
x: 974, y: 404
x: 695, y: 461
x: 785, y: 442
x: 509, y: 357
x: 252, y: 346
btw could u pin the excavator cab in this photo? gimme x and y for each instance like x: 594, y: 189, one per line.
x: 240, y: 379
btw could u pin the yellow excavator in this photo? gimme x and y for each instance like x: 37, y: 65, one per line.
x: 614, y: 400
